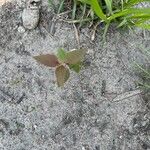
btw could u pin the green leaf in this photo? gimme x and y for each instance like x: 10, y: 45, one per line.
x: 49, y: 60
x: 61, y: 55
x: 109, y: 5
x: 98, y: 10
x: 131, y: 3
x: 139, y: 16
x: 142, y: 69
x: 105, y: 31
x: 75, y: 56
x: 130, y: 11
x: 144, y: 26
x: 122, y: 23
x: 85, y: 1
x: 74, y: 9
x: 60, y: 8
x: 76, y: 67
x: 62, y: 75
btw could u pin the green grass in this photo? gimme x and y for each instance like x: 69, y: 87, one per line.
x: 122, y: 12
x: 144, y: 74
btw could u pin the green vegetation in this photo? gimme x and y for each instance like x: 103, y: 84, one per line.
x: 144, y: 73
x: 123, y: 12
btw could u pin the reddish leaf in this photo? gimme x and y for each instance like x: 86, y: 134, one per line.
x: 62, y: 75
x: 47, y: 60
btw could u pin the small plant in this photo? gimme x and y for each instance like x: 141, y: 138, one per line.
x: 63, y: 62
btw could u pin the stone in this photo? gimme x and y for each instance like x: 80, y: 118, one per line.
x: 21, y: 29
x: 30, y: 15
x: 30, y: 18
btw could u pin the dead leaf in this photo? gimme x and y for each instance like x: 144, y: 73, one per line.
x: 62, y: 75
x: 49, y: 60
x: 75, y: 56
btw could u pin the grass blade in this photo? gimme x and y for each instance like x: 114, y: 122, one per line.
x: 98, y: 10
x: 144, y: 26
x: 105, y: 31
x: 142, y: 69
x: 131, y: 3
x: 52, y: 5
x: 83, y: 14
x: 109, y: 5
x: 74, y: 9
x: 85, y: 1
x: 61, y: 6
x: 131, y: 11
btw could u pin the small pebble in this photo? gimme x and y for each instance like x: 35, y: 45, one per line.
x: 30, y: 18
x: 34, y: 126
x: 21, y: 29
x: 30, y: 15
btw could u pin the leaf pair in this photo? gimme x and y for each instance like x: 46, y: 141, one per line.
x: 63, y: 61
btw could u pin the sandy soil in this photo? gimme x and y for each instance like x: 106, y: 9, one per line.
x: 100, y: 109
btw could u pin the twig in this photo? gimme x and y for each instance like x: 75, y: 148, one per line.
x: 77, y: 35
x: 94, y: 31
x: 126, y: 95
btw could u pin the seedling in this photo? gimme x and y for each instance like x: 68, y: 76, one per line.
x: 63, y: 62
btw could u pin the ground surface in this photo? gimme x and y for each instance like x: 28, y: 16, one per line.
x: 99, y: 109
